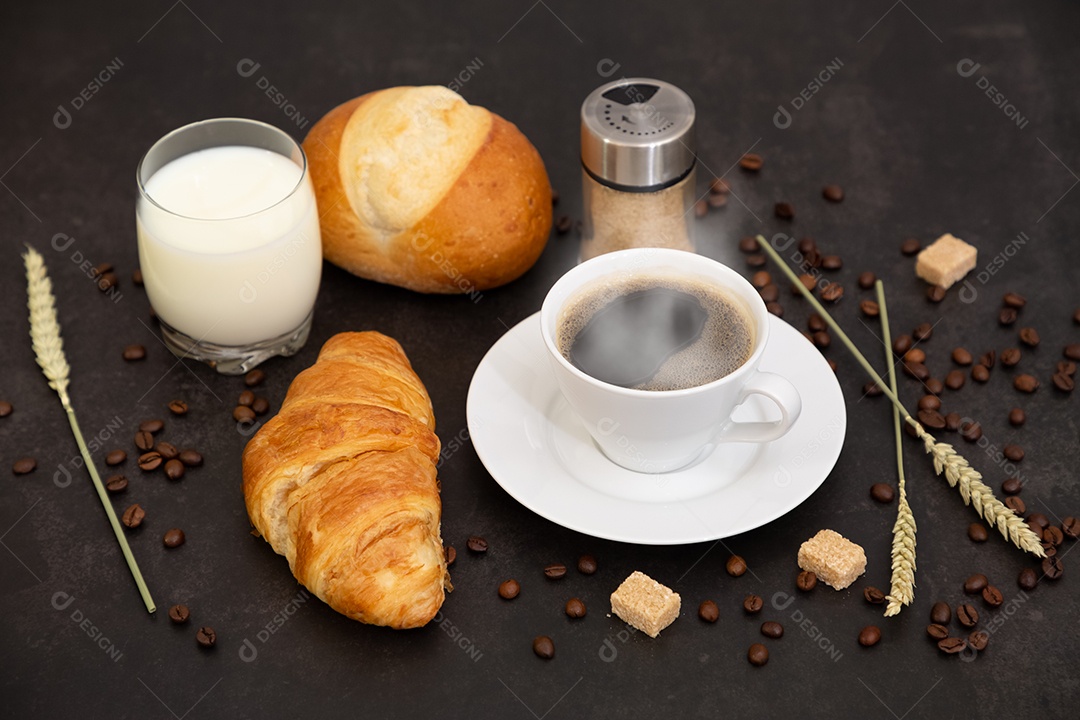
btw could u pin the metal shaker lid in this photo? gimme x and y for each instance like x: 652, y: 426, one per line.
x: 638, y: 134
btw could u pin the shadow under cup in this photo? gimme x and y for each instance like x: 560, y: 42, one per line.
x: 235, y: 285
x: 652, y: 431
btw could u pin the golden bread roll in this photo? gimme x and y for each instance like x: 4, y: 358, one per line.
x: 418, y: 188
x: 342, y: 483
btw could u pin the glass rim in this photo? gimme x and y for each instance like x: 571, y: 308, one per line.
x: 145, y: 194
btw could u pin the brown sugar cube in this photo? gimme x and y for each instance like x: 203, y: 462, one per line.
x: 645, y: 603
x: 946, y: 261
x: 833, y: 558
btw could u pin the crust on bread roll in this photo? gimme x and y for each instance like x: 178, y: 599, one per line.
x: 417, y: 188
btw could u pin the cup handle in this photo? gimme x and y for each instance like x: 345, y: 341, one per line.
x: 784, y: 396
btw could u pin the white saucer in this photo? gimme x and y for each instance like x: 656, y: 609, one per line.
x: 538, y: 451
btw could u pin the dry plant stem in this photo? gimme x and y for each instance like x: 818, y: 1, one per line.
x: 49, y: 349
x: 902, y: 584
x: 946, y: 460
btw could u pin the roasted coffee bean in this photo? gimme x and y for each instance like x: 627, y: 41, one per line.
x: 923, y: 331
x: 807, y: 245
x: 872, y: 389
x: 832, y: 262
x: 1014, y: 300
x: 136, y: 277
x: 206, y: 637
x: 915, y: 355
x: 812, y: 260
x: 760, y: 279
x: 937, y: 631
x: 173, y: 538
x: 152, y: 426
x: 1052, y: 568
x: 556, y: 571
x: 901, y: 344
x: 1010, y: 357
x: 832, y: 364
x: 749, y: 245
x: 719, y: 186
x: 961, y: 356
x: 1070, y: 527
x: 952, y: 421
x: 751, y: 162
x: 134, y: 352
x: 987, y: 359
x: 736, y: 566
x: 179, y: 614
x: 1028, y: 579
x: 476, y: 544
x: 6, y: 408
x: 932, y: 419
x: 872, y: 595
x: 574, y: 608
x: 1013, y: 452
x: 246, y: 398
x: 708, y: 611
x: 980, y: 373
x: 1053, y: 535
x: 178, y: 407
x: 967, y: 615
x: 450, y: 552
x: 1017, y: 417
x: 775, y: 308
x: 133, y: 516
x: 108, y: 281
x: 115, y: 457
x: 769, y: 293
x: 756, y: 260
x: 832, y: 193
x: 870, y: 636
x: 940, y: 613
x: 971, y: 431
x: 758, y: 654
x: 1007, y: 316
x: 867, y: 279
x: 916, y: 370
x: 869, y: 308
x: 1039, y: 519
x: 1035, y: 529
x: 806, y: 281
x: 952, y: 645
x: 116, y: 484
x: 1015, y: 504
x: 544, y: 647
x: 1072, y: 352
x: 101, y: 269
x: 190, y: 458
x: 174, y: 469
x: 832, y: 292
x: 1049, y: 549
x: 1029, y: 336
x: 929, y: 402
x: 977, y: 532
x: 166, y: 450
x: 509, y: 589
x: 563, y: 224
x: 1063, y: 382
x: 821, y: 339
x: 243, y: 414
x: 144, y: 440
x: 1026, y: 383
x: 978, y: 640
x: 752, y: 604
x: 955, y: 379
x: 260, y: 405
x: 975, y: 584
x: 254, y: 378
x: 806, y: 581
x: 935, y: 293
x: 784, y: 210
x: 933, y: 386
x: 1012, y: 486
x: 586, y: 564
x: 1066, y: 367
x: 772, y: 629
x: 815, y: 323
x: 24, y: 466
x: 992, y: 596
x: 910, y: 246
x: 882, y: 492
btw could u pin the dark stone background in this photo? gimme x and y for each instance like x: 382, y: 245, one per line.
x: 920, y: 149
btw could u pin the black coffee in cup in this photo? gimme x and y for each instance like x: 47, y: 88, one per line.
x: 655, y: 332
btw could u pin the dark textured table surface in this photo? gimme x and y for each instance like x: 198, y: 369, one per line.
x: 891, y: 100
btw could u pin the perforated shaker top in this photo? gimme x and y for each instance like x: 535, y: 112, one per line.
x: 637, y: 134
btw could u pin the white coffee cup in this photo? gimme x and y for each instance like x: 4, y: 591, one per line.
x: 655, y: 431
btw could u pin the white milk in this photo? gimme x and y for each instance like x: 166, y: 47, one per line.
x: 234, y: 257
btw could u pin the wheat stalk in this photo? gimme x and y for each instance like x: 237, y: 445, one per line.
x: 49, y: 350
x: 902, y: 583
x: 956, y: 469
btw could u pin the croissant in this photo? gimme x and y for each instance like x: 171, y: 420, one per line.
x: 342, y: 483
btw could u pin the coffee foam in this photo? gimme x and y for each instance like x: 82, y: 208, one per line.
x: 725, y: 344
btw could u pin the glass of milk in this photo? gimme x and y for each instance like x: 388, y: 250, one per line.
x: 229, y: 242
